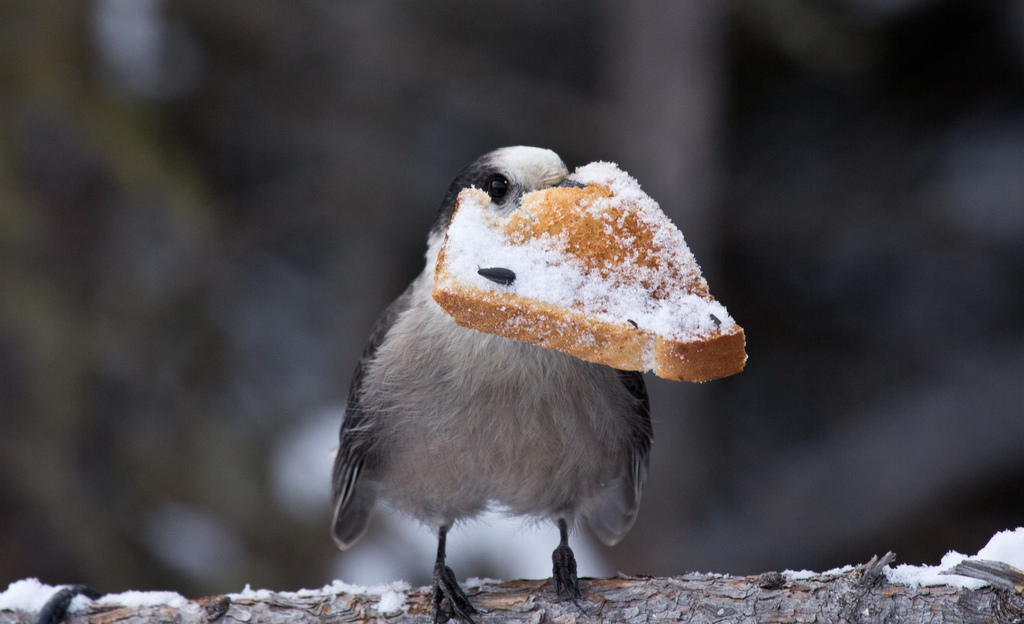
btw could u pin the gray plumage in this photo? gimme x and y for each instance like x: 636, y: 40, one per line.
x: 444, y: 421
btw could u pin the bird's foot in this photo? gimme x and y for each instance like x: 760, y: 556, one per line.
x: 56, y: 607
x: 564, y: 575
x: 446, y: 588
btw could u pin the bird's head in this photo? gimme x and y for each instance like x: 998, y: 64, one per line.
x: 505, y: 174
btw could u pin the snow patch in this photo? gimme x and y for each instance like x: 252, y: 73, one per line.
x: 31, y: 595
x: 1005, y: 546
x: 26, y: 595
x: 391, y: 593
x: 801, y: 575
x: 391, y: 602
x: 145, y: 599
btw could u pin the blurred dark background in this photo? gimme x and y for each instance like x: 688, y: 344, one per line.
x: 204, y: 206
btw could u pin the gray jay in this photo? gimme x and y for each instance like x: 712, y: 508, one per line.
x: 443, y: 421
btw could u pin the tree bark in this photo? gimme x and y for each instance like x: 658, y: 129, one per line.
x: 860, y: 594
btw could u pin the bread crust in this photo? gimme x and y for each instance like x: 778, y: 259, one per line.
x: 600, y: 242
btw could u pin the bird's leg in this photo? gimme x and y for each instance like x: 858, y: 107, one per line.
x: 564, y: 573
x: 446, y: 587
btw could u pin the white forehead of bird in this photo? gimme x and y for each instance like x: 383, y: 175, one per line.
x: 531, y: 167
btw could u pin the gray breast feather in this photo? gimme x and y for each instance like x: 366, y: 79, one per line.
x: 443, y: 421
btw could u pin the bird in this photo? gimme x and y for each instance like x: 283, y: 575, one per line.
x: 443, y: 422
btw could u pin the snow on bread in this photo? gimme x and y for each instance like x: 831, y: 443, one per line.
x: 592, y: 268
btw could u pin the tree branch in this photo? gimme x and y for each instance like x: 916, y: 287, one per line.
x: 860, y: 594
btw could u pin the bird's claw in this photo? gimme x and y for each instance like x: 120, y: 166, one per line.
x: 447, y: 588
x: 565, y: 578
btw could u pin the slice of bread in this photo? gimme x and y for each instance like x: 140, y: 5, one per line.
x: 592, y: 268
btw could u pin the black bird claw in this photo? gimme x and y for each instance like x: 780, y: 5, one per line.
x: 565, y: 578
x: 447, y: 588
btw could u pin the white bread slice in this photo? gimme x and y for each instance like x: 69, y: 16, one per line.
x: 597, y: 271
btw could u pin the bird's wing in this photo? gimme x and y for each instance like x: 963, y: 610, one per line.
x: 642, y: 431
x: 615, y: 510
x: 353, y: 504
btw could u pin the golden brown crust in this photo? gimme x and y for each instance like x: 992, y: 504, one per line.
x: 601, y: 247
x: 617, y: 345
x: 545, y: 325
x: 717, y: 356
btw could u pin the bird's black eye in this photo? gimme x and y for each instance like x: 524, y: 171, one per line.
x: 497, y: 186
